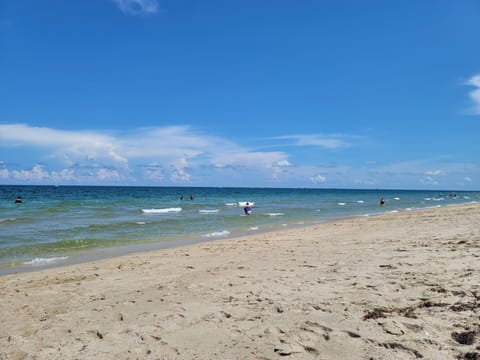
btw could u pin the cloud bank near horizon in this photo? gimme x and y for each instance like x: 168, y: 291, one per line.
x: 160, y: 153
x: 181, y: 155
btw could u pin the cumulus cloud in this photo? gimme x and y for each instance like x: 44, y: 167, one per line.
x: 154, y: 171
x: 138, y: 7
x: 428, y: 180
x: 283, y: 163
x: 107, y: 174
x: 318, y: 179
x: 36, y: 173
x: 4, y: 174
x: 475, y: 94
x: 172, y: 154
x: 432, y: 172
x: 70, y: 144
x: 180, y: 174
x: 62, y: 175
x: 430, y: 177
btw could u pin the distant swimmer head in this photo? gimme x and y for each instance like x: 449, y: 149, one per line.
x: 18, y: 200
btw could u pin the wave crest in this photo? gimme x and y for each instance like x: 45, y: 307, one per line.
x: 161, y: 211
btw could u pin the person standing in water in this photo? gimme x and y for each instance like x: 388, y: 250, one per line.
x: 382, y: 202
x: 247, y: 209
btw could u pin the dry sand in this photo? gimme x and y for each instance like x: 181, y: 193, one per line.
x: 399, y: 286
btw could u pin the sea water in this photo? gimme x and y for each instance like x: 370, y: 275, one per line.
x: 61, y: 224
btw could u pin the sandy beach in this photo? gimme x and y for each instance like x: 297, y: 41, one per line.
x: 399, y: 286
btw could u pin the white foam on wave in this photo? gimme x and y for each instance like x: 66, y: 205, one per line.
x: 274, y: 214
x: 7, y: 219
x: 217, y: 233
x: 244, y: 203
x: 161, y: 211
x: 231, y: 204
x: 140, y: 222
x: 396, y: 198
x: 253, y: 228
x: 360, y: 201
x: 45, y: 261
x: 432, y: 207
x: 341, y: 203
x: 208, y: 211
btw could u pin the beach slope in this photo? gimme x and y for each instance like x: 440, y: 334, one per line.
x: 396, y: 286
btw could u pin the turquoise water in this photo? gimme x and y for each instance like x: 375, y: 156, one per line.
x: 57, y: 224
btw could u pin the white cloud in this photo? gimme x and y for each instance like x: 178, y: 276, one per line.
x: 180, y: 174
x: 428, y: 180
x: 475, y: 94
x: 283, y: 163
x: 324, y: 141
x: 108, y: 174
x: 79, y: 155
x: 4, y: 174
x: 318, y: 179
x: 181, y: 154
x: 138, y: 7
x: 154, y: 171
x: 69, y: 145
x: 36, y: 173
x: 434, y: 172
x: 63, y: 175
x: 444, y: 171
x: 166, y: 142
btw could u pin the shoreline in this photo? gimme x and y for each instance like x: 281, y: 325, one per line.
x: 103, y: 253
x: 402, y: 285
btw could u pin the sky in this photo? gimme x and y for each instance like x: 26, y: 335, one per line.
x: 252, y: 93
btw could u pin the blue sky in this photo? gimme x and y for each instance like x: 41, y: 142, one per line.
x: 333, y: 94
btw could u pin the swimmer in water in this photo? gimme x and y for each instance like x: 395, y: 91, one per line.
x: 247, y: 209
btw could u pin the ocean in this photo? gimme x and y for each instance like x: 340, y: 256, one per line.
x: 55, y: 225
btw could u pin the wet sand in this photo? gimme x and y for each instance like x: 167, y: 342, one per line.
x: 396, y: 286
